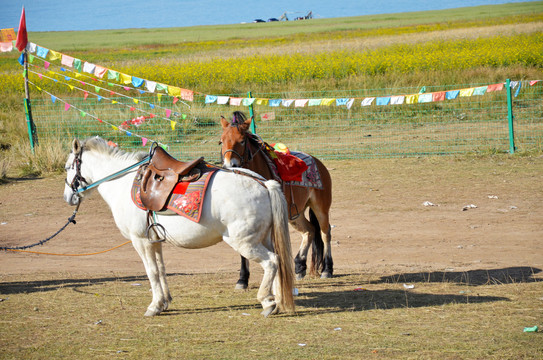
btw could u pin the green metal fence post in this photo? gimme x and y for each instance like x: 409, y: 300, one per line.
x: 32, y: 134
x: 510, y: 117
x: 251, y: 113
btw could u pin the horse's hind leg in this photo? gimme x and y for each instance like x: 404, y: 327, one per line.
x: 148, y: 253
x: 323, y: 220
x: 270, y: 263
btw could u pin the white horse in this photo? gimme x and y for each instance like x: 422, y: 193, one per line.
x: 249, y: 217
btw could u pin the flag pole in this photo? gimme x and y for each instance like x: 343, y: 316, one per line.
x: 21, y: 43
x: 32, y: 135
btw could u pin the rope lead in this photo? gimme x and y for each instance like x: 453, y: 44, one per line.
x: 71, y: 219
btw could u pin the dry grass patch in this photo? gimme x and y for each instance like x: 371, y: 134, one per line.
x: 58, y: 315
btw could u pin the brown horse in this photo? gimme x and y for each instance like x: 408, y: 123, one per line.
x: 241, y: 148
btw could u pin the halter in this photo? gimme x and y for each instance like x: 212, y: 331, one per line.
x: 247, y: 155
x: 78, y: 179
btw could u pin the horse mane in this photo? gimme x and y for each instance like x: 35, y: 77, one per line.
x: 238, y: 118
x: 99, y: 145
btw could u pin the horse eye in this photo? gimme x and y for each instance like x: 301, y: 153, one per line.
x: 220, y: 142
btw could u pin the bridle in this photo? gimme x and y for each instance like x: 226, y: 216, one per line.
x: 247, y: 156
x: 79, y: 184
x: 78, y: 179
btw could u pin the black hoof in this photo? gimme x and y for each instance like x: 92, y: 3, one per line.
x: 241, y: 285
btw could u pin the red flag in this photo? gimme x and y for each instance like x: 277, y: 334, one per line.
x: 22, y: 38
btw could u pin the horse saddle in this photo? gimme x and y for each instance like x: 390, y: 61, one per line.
x: 161, y: 175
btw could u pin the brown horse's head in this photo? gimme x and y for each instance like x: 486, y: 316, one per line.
x: 233, y: 140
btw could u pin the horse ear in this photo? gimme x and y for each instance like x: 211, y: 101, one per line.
x: 247, y: 124
x: 76, y: 146
x: 224, y: 122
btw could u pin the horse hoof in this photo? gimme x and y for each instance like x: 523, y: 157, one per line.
x: 270, y: 310
x: 241, y: 286
x: 149, y: 313
x: 326, y: 275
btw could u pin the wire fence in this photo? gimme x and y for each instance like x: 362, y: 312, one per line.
x: 466, y: 124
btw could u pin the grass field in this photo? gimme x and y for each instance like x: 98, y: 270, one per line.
x: 60, y: 316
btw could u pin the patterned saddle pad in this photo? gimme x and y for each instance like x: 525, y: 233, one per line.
x: 186, y: 199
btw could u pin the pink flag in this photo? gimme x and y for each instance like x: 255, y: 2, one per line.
x: 100, y: 71
x: 495, y: 87
x: 143, y: 141
x: 168, y: 112
x: 235, y: 101
x: 438, y: 96
x: 187, y: 95
x: 46, y: 64
x: 67, y: 60
x: 66, y: 106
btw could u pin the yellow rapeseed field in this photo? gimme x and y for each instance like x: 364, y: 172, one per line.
x: 501, y: 51
x: 214, y: 74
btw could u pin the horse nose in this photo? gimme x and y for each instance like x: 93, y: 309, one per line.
x: 230, y: 163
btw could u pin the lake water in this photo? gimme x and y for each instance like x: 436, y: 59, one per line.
x: 62, y: 15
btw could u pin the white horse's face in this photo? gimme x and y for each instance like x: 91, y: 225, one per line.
x: 69, y: 195
x: 74, y: 177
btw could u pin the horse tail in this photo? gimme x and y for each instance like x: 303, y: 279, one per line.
x: 317, y: 246
x: 281, y: 246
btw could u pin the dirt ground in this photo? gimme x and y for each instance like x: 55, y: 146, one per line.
x: 380, y: 222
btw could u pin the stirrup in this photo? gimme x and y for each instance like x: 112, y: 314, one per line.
x: 159, y: 230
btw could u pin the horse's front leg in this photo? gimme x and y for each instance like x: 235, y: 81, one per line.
x: 148, y: 253
x: 243, y: 281
x: 305, y: 228
x: 162, y: 277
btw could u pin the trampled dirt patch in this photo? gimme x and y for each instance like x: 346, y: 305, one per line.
x: 381, y: 224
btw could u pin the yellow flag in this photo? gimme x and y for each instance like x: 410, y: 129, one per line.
x: 467, y: 92
x: 125, y: 79
x: 412, y: 99
x: 328, y: 102
x: 174, y: 91
x: 172, y: 123
x: 53, y: 55
x: 135, y: 100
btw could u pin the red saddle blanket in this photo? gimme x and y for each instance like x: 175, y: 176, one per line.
x: 187, y: 198
x: 290, y: 167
